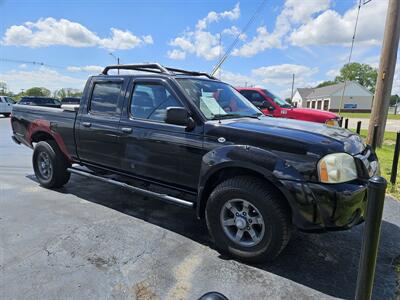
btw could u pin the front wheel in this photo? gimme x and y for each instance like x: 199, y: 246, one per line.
x: 6, y: 114
x: 248, y: 219
x: 50, y: 165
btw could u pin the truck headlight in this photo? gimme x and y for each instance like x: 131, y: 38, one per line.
x: 337, y: 168
x: 332, y: 122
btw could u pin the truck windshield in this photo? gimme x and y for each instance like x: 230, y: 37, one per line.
x: 280, y: 102
x: 217, y: 100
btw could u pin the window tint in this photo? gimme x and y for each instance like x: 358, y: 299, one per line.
x: 151, y: 100
x: 105, y: 97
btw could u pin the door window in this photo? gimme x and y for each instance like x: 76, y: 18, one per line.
x: 105, y: 98
x: 151, y: 100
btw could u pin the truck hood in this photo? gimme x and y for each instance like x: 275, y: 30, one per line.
x: 313, y: 114
x: 288, y: 135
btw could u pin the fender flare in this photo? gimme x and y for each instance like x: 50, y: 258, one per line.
x: 44, y: 126
x: 254, y: 159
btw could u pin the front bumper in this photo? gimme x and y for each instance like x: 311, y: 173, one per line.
x: 318, y: 207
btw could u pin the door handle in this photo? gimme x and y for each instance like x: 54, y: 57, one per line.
x: 126, y: 130
x: 86, y: 124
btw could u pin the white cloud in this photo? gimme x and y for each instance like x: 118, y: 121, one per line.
x: 235, y: 79
x: 234, y: 31
x: 200, y: 42
x: 49, y: 31
x: 263, y: 40
x: 23, y: 66
x: 293, y: 13
x: 213, y: 16
x: 332, y: 28
x: 45, y: 77
x: 281, y: 75
x: 90, y: 69
x: 176, y: 54
x: 333, y: 73
x: 277, y: 78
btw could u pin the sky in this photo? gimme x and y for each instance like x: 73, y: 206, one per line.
x: 58, y: 44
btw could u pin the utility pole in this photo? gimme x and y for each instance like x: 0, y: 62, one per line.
x: 380, y: 107
x: 291, y: 98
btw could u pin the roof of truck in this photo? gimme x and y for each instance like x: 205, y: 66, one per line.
x: 152, y: 69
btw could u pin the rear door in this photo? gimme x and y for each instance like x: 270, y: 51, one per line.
x: 97, y: 123
x: 152, y: 148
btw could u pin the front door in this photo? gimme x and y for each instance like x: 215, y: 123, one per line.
x: 152, y: 148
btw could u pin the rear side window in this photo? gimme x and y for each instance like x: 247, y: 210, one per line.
x: 105, y: 98
x: 151, y: 100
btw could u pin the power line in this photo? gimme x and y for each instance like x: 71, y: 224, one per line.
x: 228, y: 52
x: 36, y: 63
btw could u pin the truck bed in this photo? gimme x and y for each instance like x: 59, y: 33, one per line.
x: 30, y: 121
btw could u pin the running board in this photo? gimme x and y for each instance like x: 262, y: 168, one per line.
x: 134, y: 189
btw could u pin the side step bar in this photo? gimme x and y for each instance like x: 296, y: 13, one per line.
x: 134, y: 189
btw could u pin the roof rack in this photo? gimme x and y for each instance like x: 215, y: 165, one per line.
x: 155, y: 68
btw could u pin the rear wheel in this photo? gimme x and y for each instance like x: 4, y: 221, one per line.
x: 7, y: 114
x: 248, y: 219
x: 50, y: 165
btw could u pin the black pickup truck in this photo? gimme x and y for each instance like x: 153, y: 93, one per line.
x: 192, y: 140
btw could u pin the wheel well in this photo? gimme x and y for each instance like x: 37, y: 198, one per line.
x: 41, y: 136
x: 229, y: 172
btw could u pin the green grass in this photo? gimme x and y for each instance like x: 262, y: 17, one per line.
x: 385, y: 155
x: 366, y: 116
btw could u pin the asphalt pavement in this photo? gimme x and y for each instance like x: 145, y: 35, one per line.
x: 91, y: 240
x: 391, y: 125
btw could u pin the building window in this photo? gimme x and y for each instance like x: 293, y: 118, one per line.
x: 326, y: 104
x: 308, y: 104
x: 313, y: 104
x: 319, y: 104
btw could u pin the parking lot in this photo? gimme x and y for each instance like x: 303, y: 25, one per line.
x: 91, y: 240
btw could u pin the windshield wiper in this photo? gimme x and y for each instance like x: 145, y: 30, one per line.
x: 230, y: 115
x: 222, y: 116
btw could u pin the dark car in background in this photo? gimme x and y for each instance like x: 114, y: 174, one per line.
x: 71, y: 100
x: 40, y: 101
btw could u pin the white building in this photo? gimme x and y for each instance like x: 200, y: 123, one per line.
x: 356, y: 97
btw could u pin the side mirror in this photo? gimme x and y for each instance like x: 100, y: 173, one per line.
x: 179, y: 116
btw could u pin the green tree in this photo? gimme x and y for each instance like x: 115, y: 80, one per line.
x: 67, y: 92
x: 37, y: 91
x: 394, y: 99
x: 326, y: 83
x: 362, y: 73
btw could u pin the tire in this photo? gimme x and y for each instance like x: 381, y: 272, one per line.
x: 261, y: 200
x: 6, y: 115
x: 47, y: 152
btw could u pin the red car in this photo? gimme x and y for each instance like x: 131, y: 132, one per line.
x: 273, y: 106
